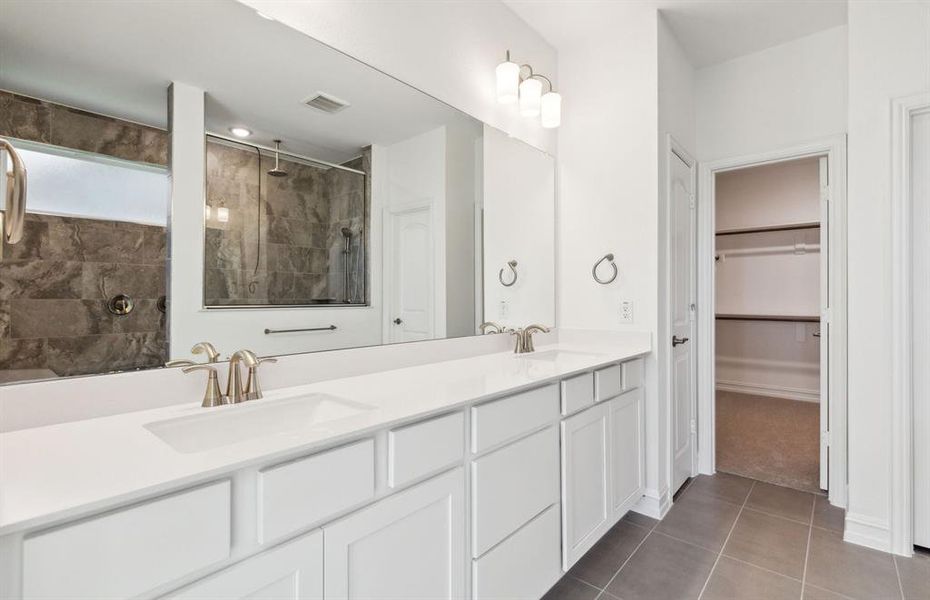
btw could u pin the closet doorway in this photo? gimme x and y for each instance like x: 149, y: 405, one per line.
x: 770, y: 261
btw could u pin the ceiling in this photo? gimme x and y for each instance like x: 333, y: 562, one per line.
x: 709, y: 31
x: 118, y: 58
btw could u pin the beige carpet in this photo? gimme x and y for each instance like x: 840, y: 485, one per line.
x: 769, y: 439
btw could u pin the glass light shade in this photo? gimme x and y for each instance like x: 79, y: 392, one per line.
x: 222, y: 214
x: 508, y: 78
x: 551, y: 110
x: 530, y: 93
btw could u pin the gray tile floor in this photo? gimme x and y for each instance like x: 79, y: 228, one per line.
x: 730, y: 537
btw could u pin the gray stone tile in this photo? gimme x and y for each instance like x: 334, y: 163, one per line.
x: 105, y: 353
x: 58, y: 318
x: 22, y: 354
x: 43, y: 279
x: 34, y: 244
x: 812, y: 592
x: 154, y: 245
x: 732, y: 580
x: 602, y: 561
x: 915, y: 576
x: 73, y: 128
x: 24, y: 118
x: 769, y: 542
x: 95, y: 241
x: 849, y: 569
x: 663, y: 568
x: 569, y: 588
x: 105, y: 280
x: 828, y: 516
x: 701, y: 520
x: 4, y: 319
x: 144, y: 316
x: 721, y: 486
x: 781, y: 501
x: 642, y: 520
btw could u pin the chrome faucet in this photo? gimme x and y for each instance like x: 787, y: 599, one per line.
x: 494, y: 327
x: 212, y: 396
x: 253, y: 390
x: 524, y: 342
x: 234, y: 392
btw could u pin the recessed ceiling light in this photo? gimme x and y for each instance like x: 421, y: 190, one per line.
x: 240, y: 132
x: 264, y: 16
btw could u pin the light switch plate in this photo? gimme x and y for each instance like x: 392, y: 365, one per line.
x: 503, y: 309
x: 626, y: 311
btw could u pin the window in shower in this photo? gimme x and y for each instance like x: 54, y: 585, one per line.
x: 294, y: 235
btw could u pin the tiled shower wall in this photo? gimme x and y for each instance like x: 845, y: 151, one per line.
x: 291, y: 253
x: 54, y: 284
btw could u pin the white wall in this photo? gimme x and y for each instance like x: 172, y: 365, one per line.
x: 776, y: 194
x: 775, y: 98
x: 447, y: 49
x: 233, y: 329
x: 889, y: 57
x: 519, y: 224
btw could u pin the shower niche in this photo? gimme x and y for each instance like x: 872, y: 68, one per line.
x: 284, y: 229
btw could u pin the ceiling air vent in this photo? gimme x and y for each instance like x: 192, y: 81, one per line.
x: 326, y: 103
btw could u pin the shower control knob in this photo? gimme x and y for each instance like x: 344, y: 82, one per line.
x: 398, y: 321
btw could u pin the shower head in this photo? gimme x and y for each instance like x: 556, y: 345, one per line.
x: 277, y: 171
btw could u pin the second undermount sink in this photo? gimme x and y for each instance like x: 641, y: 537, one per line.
x: 214, y: 428
x: 554, y: 355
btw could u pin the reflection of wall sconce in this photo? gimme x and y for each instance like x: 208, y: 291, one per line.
x: 222, y: 214
x: 513, y: 268
x: 207, y: 212
x: 519, y: 83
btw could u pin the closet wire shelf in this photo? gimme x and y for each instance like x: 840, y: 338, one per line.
x: 788, y: 318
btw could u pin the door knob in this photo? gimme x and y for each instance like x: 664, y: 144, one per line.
x: 677, y: 341
x: 398, y: 321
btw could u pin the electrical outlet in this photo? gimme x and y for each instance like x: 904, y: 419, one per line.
x: 503, y: 309
x: 626, y: 311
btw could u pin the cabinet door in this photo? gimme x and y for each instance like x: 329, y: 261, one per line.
x: 626, y: 452
x: 410, y: 545
x: 585, y: 491
x: 293, y: 571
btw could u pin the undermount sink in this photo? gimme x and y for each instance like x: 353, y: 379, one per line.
x: 223, y: 426
x: 554, y: 355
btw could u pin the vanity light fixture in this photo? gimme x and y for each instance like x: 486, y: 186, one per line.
x: 519, y: 83
x: 240, y: 132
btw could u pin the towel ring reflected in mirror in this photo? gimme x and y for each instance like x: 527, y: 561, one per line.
x: 610, y: 259
x: 513, y: 268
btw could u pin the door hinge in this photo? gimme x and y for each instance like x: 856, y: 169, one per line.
x: 825, y: 438
x: 693, y: 426
x: 691, y: 200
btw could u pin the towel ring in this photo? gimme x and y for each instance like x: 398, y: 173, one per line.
x: 513, y: 267
x: 609, y: 258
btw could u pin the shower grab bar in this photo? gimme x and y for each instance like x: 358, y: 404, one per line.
x: 273, y: 331
x: 13, y: 217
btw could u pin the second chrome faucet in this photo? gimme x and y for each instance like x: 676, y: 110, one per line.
x: 235, y: 391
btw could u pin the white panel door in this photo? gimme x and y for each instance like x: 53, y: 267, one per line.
x: 626, y: 452
x: 293, y: 571
x: 408, y: 546
x: 681, y: 299
x: 412, y: 283
x: 585, y: 483
x: 920, y: 265
x: 824, y: 323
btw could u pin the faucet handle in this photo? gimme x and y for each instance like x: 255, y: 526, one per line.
x: 253, y: 390
x: 212, y: 396
x: 206, y: 348
x: 180, y: 363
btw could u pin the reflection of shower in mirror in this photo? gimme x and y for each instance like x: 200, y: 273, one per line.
x: 346, y: 260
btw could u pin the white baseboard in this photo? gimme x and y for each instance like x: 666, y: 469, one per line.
x: 653, y: 504
x: 770, y: 391
x: 867, y: 531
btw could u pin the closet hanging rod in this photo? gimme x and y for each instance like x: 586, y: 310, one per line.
x: 765, y: 228
x: 787, y: 318
x: 798, y: 249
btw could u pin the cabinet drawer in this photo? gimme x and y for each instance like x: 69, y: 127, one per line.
x: 128, y: 552
x: 423, y: 448
x: 512, y: 485
x: 302, y: 492
x: 524, y: 566
x: 633, y: 374
x: 609, y: 382
x: 502, y: 420
x: 577, y: 393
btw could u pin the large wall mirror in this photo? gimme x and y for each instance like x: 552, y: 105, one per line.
x: 340, y: 207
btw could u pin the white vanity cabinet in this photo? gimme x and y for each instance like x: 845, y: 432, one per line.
x: 602, y: 460
x: 291, y: 571
x: 409, y: 545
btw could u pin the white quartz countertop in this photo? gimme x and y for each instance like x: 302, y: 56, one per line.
x: 65, y: 471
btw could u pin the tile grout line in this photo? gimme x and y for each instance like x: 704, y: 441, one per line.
x: 807, y: 551
x: 897, y: 573
x: 729, y: 533
x: 628, y: 558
